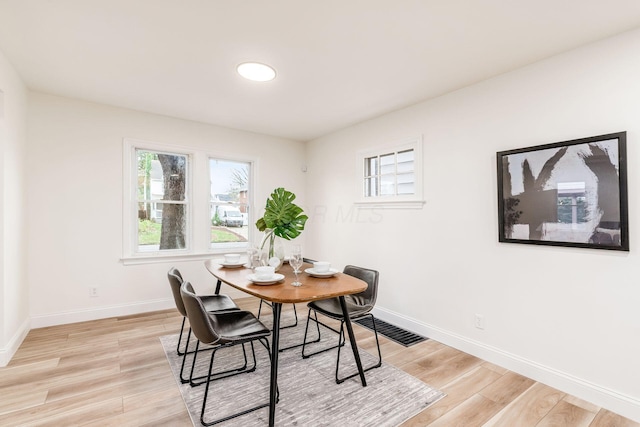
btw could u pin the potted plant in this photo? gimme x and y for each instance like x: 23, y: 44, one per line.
x: 282, y: 218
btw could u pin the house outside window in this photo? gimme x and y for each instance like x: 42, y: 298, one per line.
x: 229, y: 203
x: 391, y: 176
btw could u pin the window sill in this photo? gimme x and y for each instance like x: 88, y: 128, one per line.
x: 390, y: 204
x: 154, y: 259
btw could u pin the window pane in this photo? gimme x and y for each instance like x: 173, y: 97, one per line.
x: 405, y: 156
x: 371, y: 166
x: 387, y: 164
x: 405, y: 161
x: 371, y: 187
x: 161, y: 180
x: 161, y: 176
x: 229, y: 205
x: 406, y: 183
x: 164, y: 232
x: 387, y: 185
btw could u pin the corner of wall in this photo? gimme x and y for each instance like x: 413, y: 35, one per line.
x: 7, y: 352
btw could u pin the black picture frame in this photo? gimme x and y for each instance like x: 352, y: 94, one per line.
x: 571, y: 193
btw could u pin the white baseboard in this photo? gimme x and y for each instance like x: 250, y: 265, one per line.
x: 7, y: 352
x: 95, y: 313
x: 612, y: 400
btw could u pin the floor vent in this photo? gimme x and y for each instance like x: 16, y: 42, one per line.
x: 394, y: 333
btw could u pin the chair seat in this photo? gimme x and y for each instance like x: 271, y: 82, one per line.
x: 331, y: 308
x: 218, y: 303
x: 235, y: 326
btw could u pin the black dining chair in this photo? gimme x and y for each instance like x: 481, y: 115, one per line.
x: 358, y: 306
x: 222, y: 330
x: 212, y: 303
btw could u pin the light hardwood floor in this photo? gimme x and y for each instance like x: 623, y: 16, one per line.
x: 113, y: 372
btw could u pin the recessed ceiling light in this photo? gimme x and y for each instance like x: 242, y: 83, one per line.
x: 256, y: 71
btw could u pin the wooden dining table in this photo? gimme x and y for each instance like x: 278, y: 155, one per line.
x: 282, y: 292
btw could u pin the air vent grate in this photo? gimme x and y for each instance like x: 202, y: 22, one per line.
x: 394, y: 333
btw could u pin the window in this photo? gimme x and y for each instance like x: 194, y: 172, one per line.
x: 391, y: 176
x: 183, y: 203
x: 572, y: 203
x: 229, y: 203
x: 162, y: 201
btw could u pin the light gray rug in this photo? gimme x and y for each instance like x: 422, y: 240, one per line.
x: 309, y: 395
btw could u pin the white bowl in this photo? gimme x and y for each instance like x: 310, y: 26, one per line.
x: 264, y: 272
x: 231, y: 258
x: 321, y: 266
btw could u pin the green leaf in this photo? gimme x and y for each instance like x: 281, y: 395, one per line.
x: 281, y: 215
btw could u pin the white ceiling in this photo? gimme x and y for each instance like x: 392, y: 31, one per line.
x: 339, y: 62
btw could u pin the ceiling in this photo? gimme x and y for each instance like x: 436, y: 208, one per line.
x: 339, y: 62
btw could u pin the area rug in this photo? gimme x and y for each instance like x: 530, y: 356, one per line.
x: 309, y: 395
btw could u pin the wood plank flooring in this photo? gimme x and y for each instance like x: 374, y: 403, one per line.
x: 113, y: 372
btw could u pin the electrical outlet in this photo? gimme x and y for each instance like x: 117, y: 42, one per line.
x: 93, y: 291
x: 479, y: 321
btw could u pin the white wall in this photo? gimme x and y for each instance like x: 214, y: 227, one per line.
x: 14, y: 301
x: 565, y: 316
x: 75, y: 204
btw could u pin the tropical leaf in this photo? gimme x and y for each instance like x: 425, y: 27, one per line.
x: 281, y: 215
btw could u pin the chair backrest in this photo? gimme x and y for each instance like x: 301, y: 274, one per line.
x: 369, y: 295
x: 201, y: 323
x: 175, y: 280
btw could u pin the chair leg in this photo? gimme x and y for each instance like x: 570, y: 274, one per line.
x: 180, y: 353
x: 186, y: 345
x: 341, y: 340
x: 209, y: 380
x: 377, y: 365
x: 295, y: 314
x: 184, y: 357
x: 244, y: 369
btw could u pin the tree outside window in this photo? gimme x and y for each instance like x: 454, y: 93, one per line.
x: 162, y: 200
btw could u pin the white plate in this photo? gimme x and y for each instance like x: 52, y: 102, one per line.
x: 232, y: 264
x: 273, y: 279
x: 312, y: 272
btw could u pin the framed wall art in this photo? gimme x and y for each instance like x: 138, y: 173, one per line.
x: 571, y: 193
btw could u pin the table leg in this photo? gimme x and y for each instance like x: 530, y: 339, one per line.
x: 275, y: 344
x: 352, y: 339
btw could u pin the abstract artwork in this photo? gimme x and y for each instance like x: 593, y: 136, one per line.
x: 571, y: 193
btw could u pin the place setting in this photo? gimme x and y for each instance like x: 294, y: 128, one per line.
x: 232, y: 261
x: 321, y: 269
x: 265, y: 275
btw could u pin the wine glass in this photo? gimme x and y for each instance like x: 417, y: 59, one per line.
x: 296, y: 262
x: 253, y: 256
x: 296, y: 251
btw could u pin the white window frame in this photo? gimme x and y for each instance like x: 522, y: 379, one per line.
x: 198, y: 191
x: 130, y: 201
x: 405, y: 201
x: 226, y: 247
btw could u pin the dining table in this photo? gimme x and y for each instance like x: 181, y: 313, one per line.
x: 283, y: 292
